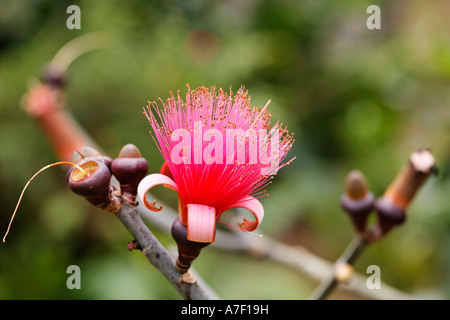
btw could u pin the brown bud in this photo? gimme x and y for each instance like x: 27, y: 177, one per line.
x: 403, y: 188
x: 95, y: 186
x: 85, y: 155
x: 133, y: 245
x: 391, y: 207
x: 129, y: 169
x: 356, y: 185
x: 357, y: 200
x: 389, y: 215
x: 129, y: 151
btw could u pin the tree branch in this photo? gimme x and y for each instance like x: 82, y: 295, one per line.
x: 296, y: 258
x: 159, y: 257
x: 390, y: 210
x: 354, y: 249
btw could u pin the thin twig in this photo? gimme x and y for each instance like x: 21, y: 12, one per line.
x: 159, y: 257
x: 354, y: 249
x: 296, y: 258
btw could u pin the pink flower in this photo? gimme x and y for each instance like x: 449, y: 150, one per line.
x: 219, y: 154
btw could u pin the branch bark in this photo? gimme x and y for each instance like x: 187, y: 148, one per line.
x: 355, y: 248
x: 159, y: 257
x: 390, y: 210
x: 296, y: 258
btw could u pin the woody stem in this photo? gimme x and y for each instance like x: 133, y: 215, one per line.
x: 159, y: 257
x: 353, y: 251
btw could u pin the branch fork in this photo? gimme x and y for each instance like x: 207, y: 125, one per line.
x: 129, y: 169
x: 359, y: 202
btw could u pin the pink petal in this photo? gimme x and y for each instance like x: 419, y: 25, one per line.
x: 151, y: 181
x: 251, y: 204
x: 201, y: 223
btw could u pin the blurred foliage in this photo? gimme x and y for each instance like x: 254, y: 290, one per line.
x: 355, y: 98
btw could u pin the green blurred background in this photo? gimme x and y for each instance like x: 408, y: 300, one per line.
x: 355, y: 98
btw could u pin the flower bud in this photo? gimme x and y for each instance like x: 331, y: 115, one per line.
x: 129, y: 169
x: 86, y: 154
x: 389, y: 215
x: 408, y: 181
x: 95, y: 185
x: 391, y: 207
x: 357, y: 200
